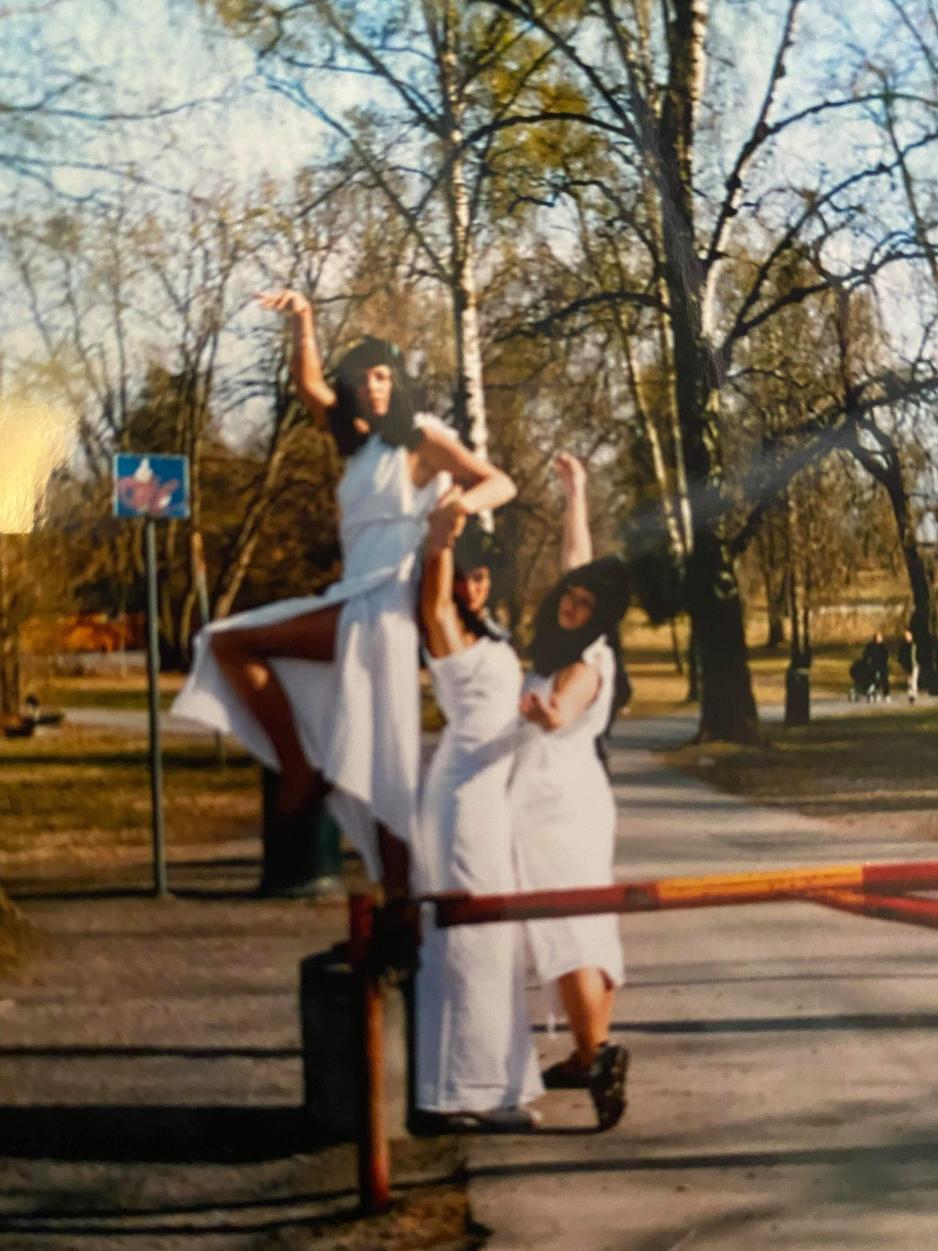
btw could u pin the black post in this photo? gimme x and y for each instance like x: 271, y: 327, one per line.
x: 798, y: 688
x: 153, y: 701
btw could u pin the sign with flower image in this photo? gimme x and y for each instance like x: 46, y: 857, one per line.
x: 148, y: 485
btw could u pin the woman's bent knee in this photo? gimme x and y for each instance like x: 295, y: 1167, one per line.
x: 229, y: 645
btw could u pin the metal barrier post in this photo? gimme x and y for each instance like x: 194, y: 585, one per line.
x: 374, y: 1161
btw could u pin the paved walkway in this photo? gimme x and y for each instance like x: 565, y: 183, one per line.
x: 782, y: 1083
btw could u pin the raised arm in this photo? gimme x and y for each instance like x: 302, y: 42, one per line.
x: 305, y: 363
x: 484, y: 486
x: 443, y: 629
x: 577, y: 545
x: 439, y: 617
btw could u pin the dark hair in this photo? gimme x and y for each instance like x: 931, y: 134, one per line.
x: 397, y: 427
x: 554, y: 648
x: 477, y: 549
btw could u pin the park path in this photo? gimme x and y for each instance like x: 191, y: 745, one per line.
x: 783, y: 1056
x: 682, y: 727
x: 780, y: 1091
x: 151, y: 1078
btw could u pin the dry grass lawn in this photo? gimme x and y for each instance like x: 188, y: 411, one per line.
x: 106, y: 690
x: 659, y: 688
x: 875, y: 771
x: 77, y: 795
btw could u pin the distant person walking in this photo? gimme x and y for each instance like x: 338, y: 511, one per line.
x: 908, y: 660
x: 876, y: 658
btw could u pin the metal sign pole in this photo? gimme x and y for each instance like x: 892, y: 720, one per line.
x: 153, y: 693
x: 155, y: 487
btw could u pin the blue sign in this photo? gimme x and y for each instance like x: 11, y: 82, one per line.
x: 151, y: 486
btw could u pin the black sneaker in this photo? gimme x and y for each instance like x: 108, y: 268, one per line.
x: 607, y: 1084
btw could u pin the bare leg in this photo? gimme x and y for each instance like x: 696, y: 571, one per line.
x: 586, y: 995
x: 243, y: 657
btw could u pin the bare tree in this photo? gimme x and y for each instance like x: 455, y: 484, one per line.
x: 444, y: 88
x: 713, y: 191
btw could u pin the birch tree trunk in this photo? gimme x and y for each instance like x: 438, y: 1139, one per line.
x: 470, y: 396
x: 241, y: 552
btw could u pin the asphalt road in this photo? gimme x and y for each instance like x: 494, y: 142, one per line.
x: 783, y: 1056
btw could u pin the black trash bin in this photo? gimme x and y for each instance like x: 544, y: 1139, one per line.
x: 797, y: 695
x: 332, y: 1039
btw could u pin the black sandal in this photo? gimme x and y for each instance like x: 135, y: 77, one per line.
x: 607, y: 1076
x: 569, y: 1074
x: 514, y: 1120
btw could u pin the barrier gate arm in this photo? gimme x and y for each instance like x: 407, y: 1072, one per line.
x: 903, y: 908
x: 704, y: 891
x: 875, y: 890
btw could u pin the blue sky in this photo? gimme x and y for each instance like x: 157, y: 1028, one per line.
x: 158, y: 53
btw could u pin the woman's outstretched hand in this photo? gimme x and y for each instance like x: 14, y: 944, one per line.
x: 533, y: 709
x: 447, y: 521
x: 284, y: 301
x: 305, y: 364
x: 571, y: 473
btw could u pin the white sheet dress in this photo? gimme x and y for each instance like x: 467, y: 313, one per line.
x: 358, y: 717
x: 563, y: 826
x: 474, y: 1047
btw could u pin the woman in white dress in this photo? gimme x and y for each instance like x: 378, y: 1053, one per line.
x: 562, y: 806
x: 475, y: 1060
x: 324, y: 689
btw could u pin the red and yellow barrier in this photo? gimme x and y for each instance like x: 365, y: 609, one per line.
x: 884, y: 907
x: 704, y: 891
x: 875, y: 890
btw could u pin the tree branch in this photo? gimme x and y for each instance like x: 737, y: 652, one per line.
x: 823, y: 434
x: 757, y: 137
x: 813, y: 208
